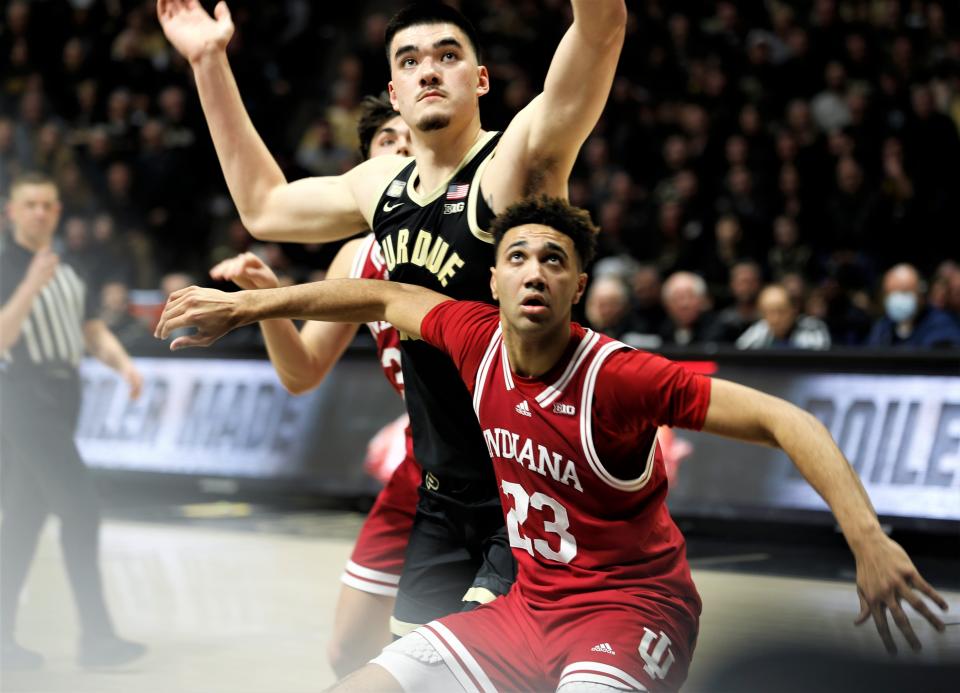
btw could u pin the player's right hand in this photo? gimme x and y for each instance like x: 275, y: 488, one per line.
x: 192, y: 31
x: 886, y: 577
x: 213, y: 313
x: 247, y: 271
x: 42, y: 268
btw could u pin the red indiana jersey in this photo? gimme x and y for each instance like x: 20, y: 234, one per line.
x: 368, y: 263
x: 581, y: 478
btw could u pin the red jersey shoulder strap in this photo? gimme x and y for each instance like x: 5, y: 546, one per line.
x: 484, y: 369
x: 586, y: 425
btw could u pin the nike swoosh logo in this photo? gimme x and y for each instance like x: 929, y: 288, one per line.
x: 387, y: 207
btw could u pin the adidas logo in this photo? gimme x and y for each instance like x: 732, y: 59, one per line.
x: 603, y: 647
x: 524, y: 408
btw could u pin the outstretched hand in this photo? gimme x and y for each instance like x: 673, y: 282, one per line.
x: 885, y: 577
x: 191, y: 30
x: 247, y: 271
x: 213, y: 313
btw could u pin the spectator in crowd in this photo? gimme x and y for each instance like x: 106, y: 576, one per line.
x: 843, y: 306
x: 115, y: 312
x: 782, y: 325
x: 952, y: 302
x: 907, y: 320
x: 319, y: 154
x: 729, y: 247
x: 647, y: 308
x: 746, y: 281
x: 608, y: 309
x: 789, y: 253
x: 850, y: 209
x: 938, y: 295
x: 687, y: 303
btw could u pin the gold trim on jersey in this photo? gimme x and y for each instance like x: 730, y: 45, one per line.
x: 402, y: 164
x: 424, y: 200
x: 480, y: 595
x: 400, y: 628
x: 480, y: 234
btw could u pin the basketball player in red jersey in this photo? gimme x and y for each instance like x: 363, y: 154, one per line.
x: 302, y: 360
x: 603, y: 598
x: 430, y: 217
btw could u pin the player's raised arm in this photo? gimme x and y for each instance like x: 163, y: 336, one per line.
x: 540, y: 145
x: 885, y: 574
x: 312, y: 209
x: 214, y: 313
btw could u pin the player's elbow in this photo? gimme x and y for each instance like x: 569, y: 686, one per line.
x: 300, y: 385
x: 788, y: 420
x: 259, y: 225
x: 618, y: 14
x: 295, y: 387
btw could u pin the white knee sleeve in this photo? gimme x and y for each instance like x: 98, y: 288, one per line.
x: 419, y: 668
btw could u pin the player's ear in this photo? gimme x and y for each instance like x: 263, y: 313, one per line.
x: 483, y: 80
x: 493, y: 283
x: 393, y: 96
x: 581, y: 287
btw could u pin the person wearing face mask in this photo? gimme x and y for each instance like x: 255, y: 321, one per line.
x: 907, y: 321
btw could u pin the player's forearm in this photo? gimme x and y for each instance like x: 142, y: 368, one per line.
x: 811, y: 447
x: 334, y: 300
x: 14, y: 314
x: 248, y: 167
x: 301, y: 365
x: 343, y: 300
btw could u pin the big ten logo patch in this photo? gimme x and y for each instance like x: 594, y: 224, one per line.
x: 453, y: 208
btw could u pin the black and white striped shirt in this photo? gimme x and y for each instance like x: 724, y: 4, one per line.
x: 52, y: 334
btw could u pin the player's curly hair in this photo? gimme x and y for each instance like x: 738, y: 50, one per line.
x: 374, y: 112
x: 556, y: 213
x: 430, y: 12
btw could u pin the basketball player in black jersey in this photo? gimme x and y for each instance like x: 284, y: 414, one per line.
x: 430, y: 216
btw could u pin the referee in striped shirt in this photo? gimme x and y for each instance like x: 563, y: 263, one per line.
x: 46, y: 322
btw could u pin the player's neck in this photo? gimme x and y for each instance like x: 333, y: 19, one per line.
x: 440, y: 152
x: 533, y: 354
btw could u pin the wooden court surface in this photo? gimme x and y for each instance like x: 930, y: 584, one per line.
x: 251, y: 611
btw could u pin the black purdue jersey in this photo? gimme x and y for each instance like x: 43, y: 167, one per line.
x: 438, y: 241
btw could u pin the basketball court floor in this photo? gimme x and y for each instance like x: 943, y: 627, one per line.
x: 229, y: 597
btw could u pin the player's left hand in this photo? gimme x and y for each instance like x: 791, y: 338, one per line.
x: 885, y: 577
x: 213, y: 313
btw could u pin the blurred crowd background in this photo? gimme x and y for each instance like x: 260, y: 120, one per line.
x: 772, y: 173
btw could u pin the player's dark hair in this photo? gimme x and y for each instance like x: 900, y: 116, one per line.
x: 430, y: 12
x: 375, y: 111
x: 556, y: 213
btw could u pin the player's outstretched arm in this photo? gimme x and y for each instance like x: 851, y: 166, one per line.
x: 301, y: 358
x: 214, y: 313
x: 885, y: 574
x: 312, y: 209
x: 540, y: 145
